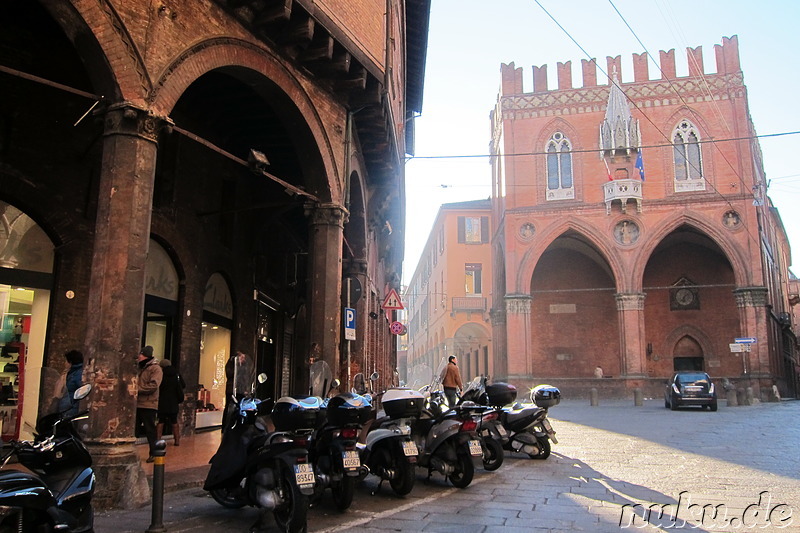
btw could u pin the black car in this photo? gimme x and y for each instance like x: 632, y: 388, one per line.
x: 690, y: 388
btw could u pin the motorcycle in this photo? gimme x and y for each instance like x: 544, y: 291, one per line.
x: 522, y: 428
x: 447, y: 437
x: 269, y: 470
x: 385, y: 444
x: 56, y: 495
x: 333, y: 445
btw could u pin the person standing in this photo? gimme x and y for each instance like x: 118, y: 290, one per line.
x: 452, y: 380
x: 73, y: 379
x: 170, y: 396
x: 239, y: 381
x: 150, y: 376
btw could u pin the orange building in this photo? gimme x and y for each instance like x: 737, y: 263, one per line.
x: 633, y: 231
x: 449, y: 296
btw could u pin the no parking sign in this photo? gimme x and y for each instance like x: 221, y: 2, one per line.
x: 397, y: 328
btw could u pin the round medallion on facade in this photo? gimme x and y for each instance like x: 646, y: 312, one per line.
x: 526, y: 231
x: 626, y: 232
x: 731, y: 219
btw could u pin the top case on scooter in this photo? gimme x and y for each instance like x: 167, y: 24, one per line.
x: 501, y: 394
x: 546, y: 396
x: 402, y: 402
x: 348, y: 409
x: 292, y: 414
x: 520, y: 419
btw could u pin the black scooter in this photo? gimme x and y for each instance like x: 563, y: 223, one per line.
x: 56, y: 495
x: 266, y: 469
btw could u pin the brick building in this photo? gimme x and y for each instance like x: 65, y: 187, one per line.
x: 632, y: 230
x: 449, y: 296
x: 200, y: 179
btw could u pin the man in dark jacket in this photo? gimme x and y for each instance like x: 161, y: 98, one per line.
x: 170, y: 396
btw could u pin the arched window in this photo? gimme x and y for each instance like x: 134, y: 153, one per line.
x: 688, y: 158
x: 559, y: 168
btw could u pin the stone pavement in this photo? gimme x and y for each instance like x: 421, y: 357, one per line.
x: 734, y: 470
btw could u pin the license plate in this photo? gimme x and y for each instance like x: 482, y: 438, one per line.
x: 410, y: 448
x: 502, y: 431
x: 475, y: 447
x: 546, y: 425
x: 304, y: 474
x: 351, y: 460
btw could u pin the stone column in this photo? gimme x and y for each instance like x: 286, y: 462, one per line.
x: 518, y: 326
x: 753, y: 321
x: 116, y: 300
x: 499, y: 343
x: 325, y: 301
x: 356, y: 268
x: 630, y: 314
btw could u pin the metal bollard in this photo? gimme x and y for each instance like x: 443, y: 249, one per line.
x: 637, y: 397
x: 156, y: 522
x: 593, y: 397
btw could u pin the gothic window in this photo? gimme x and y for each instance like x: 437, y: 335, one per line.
x: 688, y: 158
x: 559, y: 168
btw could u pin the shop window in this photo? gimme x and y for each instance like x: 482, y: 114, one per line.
x: 215, y: 346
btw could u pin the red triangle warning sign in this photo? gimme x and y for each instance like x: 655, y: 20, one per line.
x: 392, y: 301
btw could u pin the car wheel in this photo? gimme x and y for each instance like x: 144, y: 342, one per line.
x: 713, y: 406
x: 666, y: 403
x: 673, y: 405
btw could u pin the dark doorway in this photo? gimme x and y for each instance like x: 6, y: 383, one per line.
x: 688, y: 363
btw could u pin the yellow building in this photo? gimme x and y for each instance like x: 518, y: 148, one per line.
x: 449, y: 296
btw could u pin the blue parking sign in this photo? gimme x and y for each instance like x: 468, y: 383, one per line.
x: 349, y: 324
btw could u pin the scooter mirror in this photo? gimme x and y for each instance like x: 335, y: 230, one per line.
x: 82, y: 392
x: 374, y: 376
x: 335, y: 383
x: 262, y: 378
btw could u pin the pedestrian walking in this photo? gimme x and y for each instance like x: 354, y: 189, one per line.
x: 147, y: 397
x: 451, y: 381
x: 170, y: 396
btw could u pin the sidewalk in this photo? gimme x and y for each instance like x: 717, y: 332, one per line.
x: 185, y: 466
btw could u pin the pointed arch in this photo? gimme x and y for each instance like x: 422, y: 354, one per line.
x: 733, y: 254
x: 549, y: 235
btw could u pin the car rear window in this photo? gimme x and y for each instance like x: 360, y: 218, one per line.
x: 691, y: 378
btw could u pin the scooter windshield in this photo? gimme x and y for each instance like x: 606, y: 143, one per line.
x: 320, y: 378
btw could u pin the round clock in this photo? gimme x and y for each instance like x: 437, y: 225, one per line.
x: 684, y: 296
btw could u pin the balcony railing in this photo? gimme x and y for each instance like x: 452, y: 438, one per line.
x: 469, y: 303
x: 623, y: 190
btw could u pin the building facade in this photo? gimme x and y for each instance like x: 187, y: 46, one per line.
x: 200, y: 179
x: 449, y: 297
x: 632, y: 230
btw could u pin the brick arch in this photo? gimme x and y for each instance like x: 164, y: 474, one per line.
x: 687, y: 330
x: 648, y: 245
x: 230, y: 53
x: 599, y: 241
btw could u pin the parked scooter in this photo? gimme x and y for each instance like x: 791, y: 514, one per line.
x: 522, y: 428
x: 386, y: 446
x: 490, y: 430
x: 56, y: 495
x: 266, y: 469
x: 333, y: 446
x: 447, y: 437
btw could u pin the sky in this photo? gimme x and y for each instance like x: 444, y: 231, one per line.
x: 468, y: 40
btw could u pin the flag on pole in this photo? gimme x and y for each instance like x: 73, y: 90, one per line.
x: 640, y: 165
x: 608, y: 172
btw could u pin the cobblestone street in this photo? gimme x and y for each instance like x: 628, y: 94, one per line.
x: 741, y: 463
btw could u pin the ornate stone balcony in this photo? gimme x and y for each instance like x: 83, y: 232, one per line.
x: 623, y: 190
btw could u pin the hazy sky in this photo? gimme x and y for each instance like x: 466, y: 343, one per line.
x: 469, y: 39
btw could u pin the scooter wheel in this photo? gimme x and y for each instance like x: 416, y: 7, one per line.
x: 343, y: 493
x: 465, y: 471
x: 492, y: 454
x: 292, y: 514
x: 228, y: 498
x: 544, y: 449
x: 406, y: 475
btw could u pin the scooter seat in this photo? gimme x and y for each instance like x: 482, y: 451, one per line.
x: 519, y: 419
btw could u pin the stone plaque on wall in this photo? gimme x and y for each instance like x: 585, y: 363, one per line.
x: 556, y: 309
